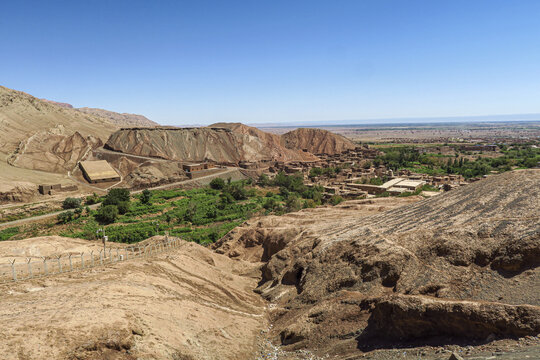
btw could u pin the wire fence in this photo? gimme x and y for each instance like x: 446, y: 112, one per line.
x: 52, y: 265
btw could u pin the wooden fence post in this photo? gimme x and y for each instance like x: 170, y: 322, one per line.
x: 59, y: 263
x: 29, y: 261
x: 45, y: 270
x: 13, y: 272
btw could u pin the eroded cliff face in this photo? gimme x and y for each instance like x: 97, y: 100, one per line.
x: 317, y: 141
x: 53, y: 152
x: 351, y: 277
x: 199, y: 144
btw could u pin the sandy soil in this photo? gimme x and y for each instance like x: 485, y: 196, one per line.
x: 186, y: 304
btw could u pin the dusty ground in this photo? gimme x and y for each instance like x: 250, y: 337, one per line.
x: 458, y: 268
x: 186, y: 304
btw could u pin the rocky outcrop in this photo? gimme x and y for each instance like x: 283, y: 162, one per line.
x: 120, y: 119
x: 316, y: 141
x: 335, y: 275
x: 412, y: 317
x: 199, y: 144
x: 61, y: 104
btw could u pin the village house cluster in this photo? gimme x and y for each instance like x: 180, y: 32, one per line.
x: 353, y: 172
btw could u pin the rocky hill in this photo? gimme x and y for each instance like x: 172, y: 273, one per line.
x: 22, y: 116
x: 316, y: 141
x: 460, y: 267
x: 198, y: 144
x: 271, y: 141
x: 120, y: 119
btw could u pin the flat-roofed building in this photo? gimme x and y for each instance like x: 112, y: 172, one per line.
x: 98, y: 171
x: 193, y: 167
x: 411, y: 185
x: 387, y: 185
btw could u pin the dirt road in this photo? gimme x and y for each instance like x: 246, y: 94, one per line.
x: 93, y: 207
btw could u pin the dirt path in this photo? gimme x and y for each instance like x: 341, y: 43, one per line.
x: 95, y: 206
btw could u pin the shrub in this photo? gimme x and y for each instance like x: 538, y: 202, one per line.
x: 293, y: 203
x: 270, y: 203
x: 146, y: 196
x: 217, y: 183
x: 107, y: 214
x: 65, y: 217
x: 8, y: 233
x: 92, y: 199
x: 263, y: 180
x: 336, y: 199
x: 71, y: 203
x: 237, y: 191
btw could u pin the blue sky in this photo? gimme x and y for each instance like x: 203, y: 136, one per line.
x: 198, y: 62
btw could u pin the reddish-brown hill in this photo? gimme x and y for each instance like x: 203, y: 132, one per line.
x: 218, y: 144
x: 272, y: 142
x: 316, y: 141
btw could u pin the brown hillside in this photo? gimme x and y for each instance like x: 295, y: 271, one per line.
x: 22, y: 116
x: 460, y: 266
x: 316, y: 141
x: 272, y: 141
x: 120, y: 119
x: 198, y: 144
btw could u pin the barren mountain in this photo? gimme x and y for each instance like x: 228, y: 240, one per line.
x: 120, y: 119
x: 198, y: 144
x: 22, y: 116
x: 459, y: 267
x: 316, y: 141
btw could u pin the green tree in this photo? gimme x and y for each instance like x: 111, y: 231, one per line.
x: 107, y: 214
x: 71, y: 203
x: 116, y: 196
x: 146, y: 196
x: 123, y: 207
